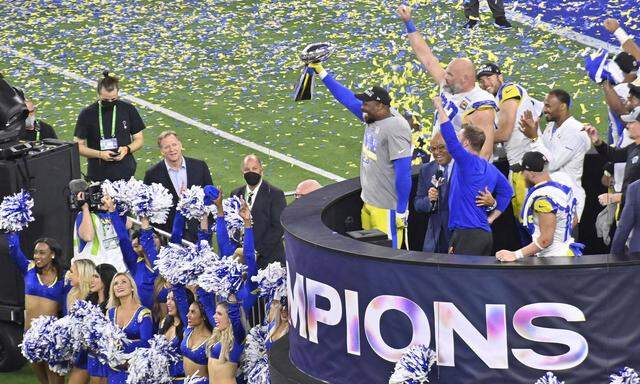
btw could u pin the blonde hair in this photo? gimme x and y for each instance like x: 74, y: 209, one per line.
x: 225, y: 337
x: 158, y: 311
x: 115, y: 301
x: 275, y: 314
x: 85, y: 269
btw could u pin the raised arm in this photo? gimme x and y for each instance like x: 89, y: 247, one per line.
x: 208, y: 301
x: 454, y: 147
x: 246, y: 293
x: 178, y: 229
x: 614, y: 102
x: 128, y: 254
x: 626, y: 41
x: 239, y: 332
x: 226, y: 247
x: 615, y: 155
x: 182, y: 304
x: 149, y: 246
x: 343, y: 94
x: 204, y: 233
x: 420, y: 47
x: 15, y: 252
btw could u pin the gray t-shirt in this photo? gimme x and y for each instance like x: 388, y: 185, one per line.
x: 384, y: 141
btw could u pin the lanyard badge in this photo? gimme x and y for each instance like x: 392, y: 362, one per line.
x: 111, y: 143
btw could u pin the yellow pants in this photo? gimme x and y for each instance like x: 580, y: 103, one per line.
x: 519, y: 193
x: 383, y: 220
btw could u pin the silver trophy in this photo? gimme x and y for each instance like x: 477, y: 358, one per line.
x: 312, y: 53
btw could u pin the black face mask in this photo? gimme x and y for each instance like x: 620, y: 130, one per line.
x: 107, y: 104
x: 252, y: 178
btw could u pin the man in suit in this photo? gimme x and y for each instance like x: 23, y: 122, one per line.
x: 629, y: 222
x: 267, y: 203
x: 432, y: 196
x: 177, y: 173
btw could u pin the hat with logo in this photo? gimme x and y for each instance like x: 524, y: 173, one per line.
x: 488, y: 69
x: 376, y: 93
x: 534, y: 161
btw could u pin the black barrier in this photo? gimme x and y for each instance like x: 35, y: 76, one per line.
x: 355, y: 307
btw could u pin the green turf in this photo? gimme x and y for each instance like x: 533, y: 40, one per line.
x: 23, y: 376
x: 233, y: 65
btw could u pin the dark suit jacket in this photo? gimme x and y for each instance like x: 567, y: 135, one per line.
x: 629, y: 220
x: 197, y: 174
x: 267, y: 230
x: 437, y: 237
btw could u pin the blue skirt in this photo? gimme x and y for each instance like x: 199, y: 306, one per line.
x: 95, y: 367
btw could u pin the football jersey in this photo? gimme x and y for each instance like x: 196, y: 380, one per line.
x: 518, y: 144
x: 458, y: 106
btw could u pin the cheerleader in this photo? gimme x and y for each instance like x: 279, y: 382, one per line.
x: 126, y: 311
x: 278, y: 319
x: 225, y: 347
x: 99, y: 296
x: 173, y: 325
x: 79, y: 277
x: 43, y: 288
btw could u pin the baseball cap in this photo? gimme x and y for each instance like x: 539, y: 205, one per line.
x: 631, y: 117
x: 534, y: 161
x: 626, y: 62
x: 488, y: 69
x: 375, y: 93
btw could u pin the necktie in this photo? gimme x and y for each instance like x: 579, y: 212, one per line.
x: 250, y: 199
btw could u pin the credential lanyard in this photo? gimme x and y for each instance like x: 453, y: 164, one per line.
x: 113, y: 121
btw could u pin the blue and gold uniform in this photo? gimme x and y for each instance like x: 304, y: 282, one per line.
x: 139, y: 330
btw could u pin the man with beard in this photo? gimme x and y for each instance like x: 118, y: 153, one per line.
x: 385, y: 161
x: 563, y: 137
x: 462, y: 99
x: 549, y: 213
x: 266, y: 203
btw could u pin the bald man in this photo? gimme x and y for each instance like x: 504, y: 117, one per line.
x: 307, y: 186
x: 267, y: 203
x: 463, y: 100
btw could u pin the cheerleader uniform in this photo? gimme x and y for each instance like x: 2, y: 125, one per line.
x: 138, y: 330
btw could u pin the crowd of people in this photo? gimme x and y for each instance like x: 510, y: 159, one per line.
x: 480, y: 116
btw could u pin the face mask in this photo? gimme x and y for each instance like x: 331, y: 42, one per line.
x: 30, y: 121
x: 252, y: 178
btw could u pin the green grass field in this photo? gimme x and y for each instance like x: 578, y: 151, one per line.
x: 233, y: 65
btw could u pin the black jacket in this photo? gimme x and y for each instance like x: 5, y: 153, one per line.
x: 197, y: 174
x: 267, y: 230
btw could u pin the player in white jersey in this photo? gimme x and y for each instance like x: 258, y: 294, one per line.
x: 512, y: 100
x: 549, y: 214
x: 462, y: 99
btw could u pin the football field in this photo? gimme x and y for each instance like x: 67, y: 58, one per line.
x: 222, y: 73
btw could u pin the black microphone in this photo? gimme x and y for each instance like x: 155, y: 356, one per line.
x: 436, y: 181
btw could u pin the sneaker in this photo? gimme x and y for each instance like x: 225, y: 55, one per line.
x: 502, y: 23
x: 471, y: 23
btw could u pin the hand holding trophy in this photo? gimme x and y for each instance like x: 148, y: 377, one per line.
x: 311, y: 54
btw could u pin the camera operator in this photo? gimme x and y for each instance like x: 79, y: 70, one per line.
x: 108, y: 132
x: 95, y: 237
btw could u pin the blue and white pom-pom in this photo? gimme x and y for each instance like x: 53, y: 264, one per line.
x: 183, y: 264
x: 414, y: 366
x: 259, y: 373
x: 37, y: 339
x: 222, y: 276
x: 272, y: 281
x: 231, y: 207
x: 66, y: 336
x: 152, y: 201
x: 549, y: 378
x: 255, y: 348
x: 193, y: 379
x: 191, y: 204
x: 151, y: 365
x: 122, y: 192
x: 99, y: 335
x: 625, y: 376
x: 15, y: 211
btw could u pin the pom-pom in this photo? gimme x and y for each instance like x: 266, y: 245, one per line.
x: 549, y: 378
x: 259, y: 374
x: 123, y: 192
x: 183, y: 265
x: 151, y: 365
x: 36, y: 340
x: 255, y: 348
x: 625, y: 376
x: 414, y: 366
x: 191, y: 204
x: 152, y: 201
x: 232, y: 218
x: 272, y: 281
x: 66, y: 336
x: 222, y: 276
x: 15, y: 211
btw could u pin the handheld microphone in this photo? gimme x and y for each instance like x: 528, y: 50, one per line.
x: 436, y: 181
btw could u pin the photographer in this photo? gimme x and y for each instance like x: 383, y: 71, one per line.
x: 108, y: 132
x: 95, y: 237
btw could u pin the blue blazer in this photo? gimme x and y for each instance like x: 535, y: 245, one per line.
x: 629, y: 220
x: 437, y: 237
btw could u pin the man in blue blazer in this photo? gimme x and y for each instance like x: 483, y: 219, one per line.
x: 629, y: 221
x: 432, y: 196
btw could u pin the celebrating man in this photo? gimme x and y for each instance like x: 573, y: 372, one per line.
x: 385, y: 166
x: 462, y: 99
